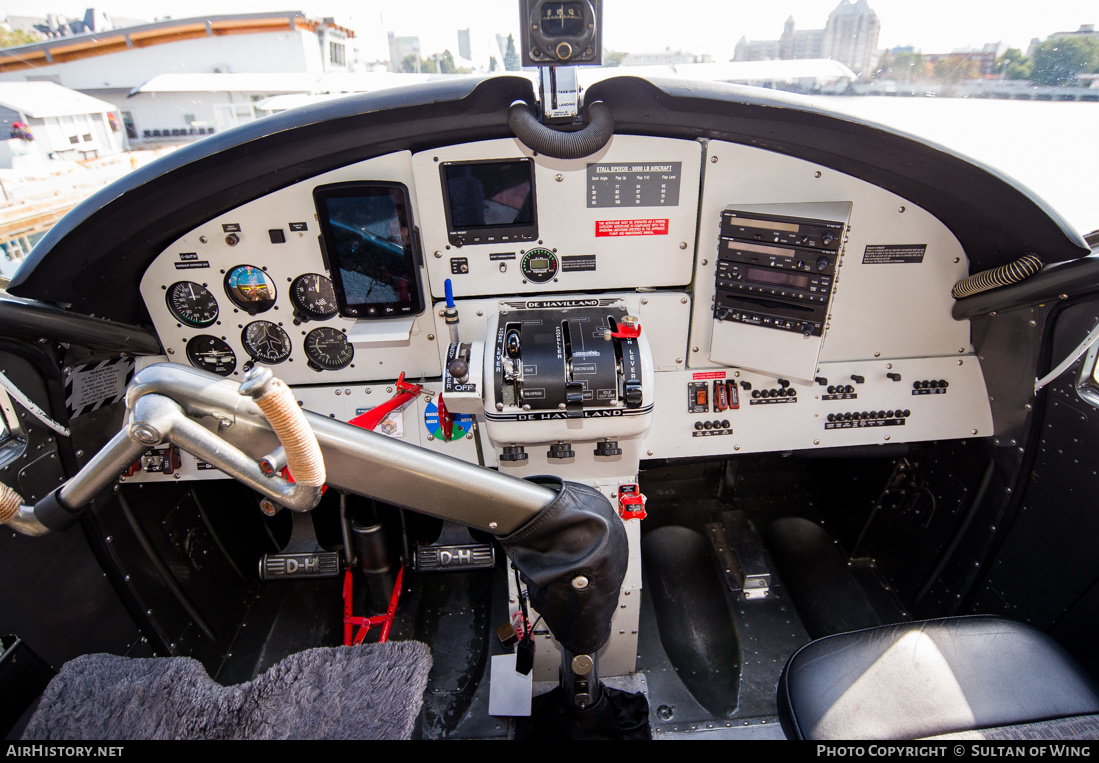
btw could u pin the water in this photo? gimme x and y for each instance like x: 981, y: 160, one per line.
x: 1051, y: 147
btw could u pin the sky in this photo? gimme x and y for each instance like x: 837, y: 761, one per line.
x: 697, y: 26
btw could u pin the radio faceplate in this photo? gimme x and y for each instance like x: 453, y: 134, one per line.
x: 776, y: 272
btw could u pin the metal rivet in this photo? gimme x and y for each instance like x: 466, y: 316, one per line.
x: 713, y: 160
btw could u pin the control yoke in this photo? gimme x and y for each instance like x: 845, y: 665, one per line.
x: 565, y: 539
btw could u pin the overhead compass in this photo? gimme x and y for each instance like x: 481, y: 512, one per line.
x: 266, y: 342
x: 192, y: 303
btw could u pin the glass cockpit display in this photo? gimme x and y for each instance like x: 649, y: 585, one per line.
x: 367, y: 234
x: 489, y: 201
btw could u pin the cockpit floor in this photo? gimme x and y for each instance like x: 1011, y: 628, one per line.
x: 709, y: 657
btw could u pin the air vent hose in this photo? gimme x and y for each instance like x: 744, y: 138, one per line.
x: 1005, y: 275
x: 559, y: 144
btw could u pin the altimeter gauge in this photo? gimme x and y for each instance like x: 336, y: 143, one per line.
x: 211, y: 354
x: 313, y: 296
x: 328, y: 349
x: 192, y: 303
x: 266, y: 342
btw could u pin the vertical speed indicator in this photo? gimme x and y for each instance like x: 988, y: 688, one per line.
x: 328, y: 349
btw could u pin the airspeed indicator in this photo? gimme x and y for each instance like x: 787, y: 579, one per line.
x: 192, y: 304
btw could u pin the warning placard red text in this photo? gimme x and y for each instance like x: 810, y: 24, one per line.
x: 631, y: 227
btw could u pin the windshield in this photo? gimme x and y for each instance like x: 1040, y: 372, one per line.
x: 1016, y: 91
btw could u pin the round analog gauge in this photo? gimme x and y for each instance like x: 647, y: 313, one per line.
x: 328, y: 349
x: 538, y: 265
x: 250, y: 288
x: 313, y: 296
x: 211, y: 354
x: 192, y: 303
x: 266, y: 342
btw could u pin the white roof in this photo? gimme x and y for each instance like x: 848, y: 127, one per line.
x: 206, y: 82
x: 48, y: 99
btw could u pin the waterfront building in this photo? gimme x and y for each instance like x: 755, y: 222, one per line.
x: 116, y: 64
x: 850, y: 36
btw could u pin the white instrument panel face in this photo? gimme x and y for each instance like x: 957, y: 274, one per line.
x: 898, y: 401
x: 621, y: 218
x: 270, y: 243
x: 891, y: 298
x: 620, y: 225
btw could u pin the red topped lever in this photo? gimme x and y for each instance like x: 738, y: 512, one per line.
x: 629, y: 328
x: 406, y: 392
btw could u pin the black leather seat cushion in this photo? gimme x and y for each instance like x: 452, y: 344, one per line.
x: 920, y: 679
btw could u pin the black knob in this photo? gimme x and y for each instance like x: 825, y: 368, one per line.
x: 514, y: 453
x: 894, y: 376
x: 858, y: 379
x: 831, y: 417
x: 827, y: 239
x: 561, y: 450
x: 822, y: 381
x: 459, y: 369
x: 610, y: 447
x: 698, y: 425
x: 633, y: 393
x: 726, y: 424
x: 823, y: 263
x: 831, y: 390
x: 707, y: 425
x: 943, y: 383
x: 755, y: 393
x: 745, y: 385
x: 784, y: 383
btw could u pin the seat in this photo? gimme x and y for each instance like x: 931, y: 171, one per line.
x: 977, y: 677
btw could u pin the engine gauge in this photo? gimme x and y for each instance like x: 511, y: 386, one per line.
x: 313, y: 296
x: 266, y: 342
x: 250, y: 289
x: 192, y: 303
x: 328, y: 349
x: 538, y: 264
x: 211, y: 354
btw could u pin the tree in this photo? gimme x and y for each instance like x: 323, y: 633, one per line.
x: 956, y: 67
x: 511, y: 58
x: 902, y: 66
x: 433, y: 64
x: 1058, y: 61
x: 1013, y: 65
x: 10, y: 38
x: 613, y: 57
